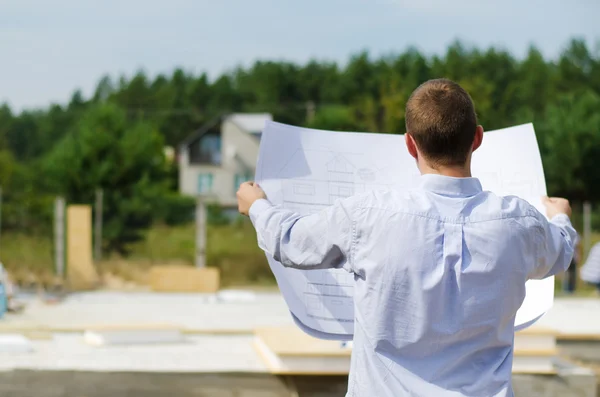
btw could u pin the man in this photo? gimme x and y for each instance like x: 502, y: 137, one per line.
x: 439, y: 271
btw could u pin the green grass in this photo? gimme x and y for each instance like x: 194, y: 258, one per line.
x: 25, y: 254
x: 231, y: 248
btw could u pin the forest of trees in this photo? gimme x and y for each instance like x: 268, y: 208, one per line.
x: 115, y: 139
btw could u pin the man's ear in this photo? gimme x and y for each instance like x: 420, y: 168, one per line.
x: 478, y: 137
x: 411, y: 145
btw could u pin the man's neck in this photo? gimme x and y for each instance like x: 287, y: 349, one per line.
x: 455, y: 172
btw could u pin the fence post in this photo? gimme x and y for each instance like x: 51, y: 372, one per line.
x: 587, y: 228
x: 98, y: 225
x: 200, y: 232
x: 1, y: 192
x: 59, y: 236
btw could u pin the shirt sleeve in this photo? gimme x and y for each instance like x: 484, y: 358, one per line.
x: 555, y: 246
x: 319, y: 241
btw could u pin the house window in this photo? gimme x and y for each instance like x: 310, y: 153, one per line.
x: 205, y: 182
x: 304, y: 189
x: 206, y: 150
x: 239, y: 179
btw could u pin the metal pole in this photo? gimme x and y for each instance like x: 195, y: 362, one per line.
x: 310, y: 111
x: 59, y: 236
x: 200, y: 232
x: 587, y: 228
x: 0, y: 211
x: 98, y: 225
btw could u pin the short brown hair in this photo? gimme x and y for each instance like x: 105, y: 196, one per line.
x: 440, y: 116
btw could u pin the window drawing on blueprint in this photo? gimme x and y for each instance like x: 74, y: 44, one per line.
x: 333, y: 290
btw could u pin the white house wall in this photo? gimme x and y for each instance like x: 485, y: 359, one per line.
x: 234, y: 142
x: 223, y: 189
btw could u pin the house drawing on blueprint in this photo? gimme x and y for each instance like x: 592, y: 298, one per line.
x: 330, y: 176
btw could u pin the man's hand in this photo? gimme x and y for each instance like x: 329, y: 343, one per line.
x: 556, y: 205
x: 247, y: 194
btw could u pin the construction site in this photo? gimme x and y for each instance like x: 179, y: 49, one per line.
x: 237, y: 343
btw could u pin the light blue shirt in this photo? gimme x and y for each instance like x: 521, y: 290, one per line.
x: 440, y: 273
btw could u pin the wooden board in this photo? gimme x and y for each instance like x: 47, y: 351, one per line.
x: 298, y: 365
x: 289, y: 351
x: 291, y: 341
x: 81, y: 273
x: 544, y: 341
x: 176, y: 278
x: 579, y: 337
x: 538, y: 330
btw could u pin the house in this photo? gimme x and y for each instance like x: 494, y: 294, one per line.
x: 331, y: 176
x: 218, y: 157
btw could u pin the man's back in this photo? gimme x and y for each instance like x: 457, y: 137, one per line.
x: 441, y: 274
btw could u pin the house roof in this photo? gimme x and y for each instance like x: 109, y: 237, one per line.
x: 326, y: 165
x: 250, y: 122
x: 201, y: 131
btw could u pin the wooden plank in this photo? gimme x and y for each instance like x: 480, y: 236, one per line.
x: 81, y: 272
x: 290, y: 365
x: 538, y: 331
x: 578, y: 337
x: 178, y: 278
x: 291, y: 341
x: 535, y: 371
x: 534, y: 342
x: 534, y: 362
x: 536, y: 353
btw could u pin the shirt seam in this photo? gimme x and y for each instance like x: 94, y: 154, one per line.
x: 353, y: 234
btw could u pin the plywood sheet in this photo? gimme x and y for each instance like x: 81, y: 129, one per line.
x: 81, y: 273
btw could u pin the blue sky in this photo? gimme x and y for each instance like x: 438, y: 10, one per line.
x: 50, y: 48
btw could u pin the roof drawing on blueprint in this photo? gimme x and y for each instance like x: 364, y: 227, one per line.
x: 322, y: 165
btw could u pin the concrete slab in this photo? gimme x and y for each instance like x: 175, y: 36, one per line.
x: 574, y: 316
x: 202, y: 312
x: 229, y: 311
x: 199, y: 354
x: 133, y: 335
x: 59, y: 353
x: 14, y: 343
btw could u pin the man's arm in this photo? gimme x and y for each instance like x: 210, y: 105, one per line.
x: 555, y: 240
x: 319, y: 241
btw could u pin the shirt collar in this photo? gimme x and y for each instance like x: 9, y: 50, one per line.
x: 450, y: 186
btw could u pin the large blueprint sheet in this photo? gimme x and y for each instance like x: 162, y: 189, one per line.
x: 306, y: 170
